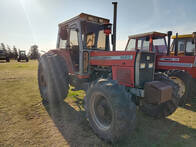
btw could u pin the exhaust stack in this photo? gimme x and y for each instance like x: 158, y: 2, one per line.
x: 114, y: 26
x: 194, y: 40
x: 169, y: 33
x: 176, y: 45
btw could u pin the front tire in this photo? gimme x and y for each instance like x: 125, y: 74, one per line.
x: 183, y: 80
x: 53, y: 78
x: 110, y: 111
x: 164, y: 109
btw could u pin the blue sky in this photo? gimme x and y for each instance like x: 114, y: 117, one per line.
x: 27, y: 22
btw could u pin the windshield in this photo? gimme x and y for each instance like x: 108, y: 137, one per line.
x: 93, y: 36
x: 159, y: 45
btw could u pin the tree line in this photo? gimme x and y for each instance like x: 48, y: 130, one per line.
x: 33, y: 52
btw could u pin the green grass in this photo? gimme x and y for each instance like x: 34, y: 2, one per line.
x: 25, y: 121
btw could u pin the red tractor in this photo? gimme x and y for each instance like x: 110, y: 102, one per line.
x: 179, y: 63
x: 114, y: 81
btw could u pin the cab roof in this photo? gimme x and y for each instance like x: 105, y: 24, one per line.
x: 87, y: 17
x: 182, y: 36
x: 147, y: 34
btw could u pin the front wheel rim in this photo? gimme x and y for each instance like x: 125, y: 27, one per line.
x: 101, y: 112
x: 180, y: 83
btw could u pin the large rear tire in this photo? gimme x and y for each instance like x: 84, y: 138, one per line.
x: 183, y: 80
x: 110, y: 110
x: 53, y: 78
x: 164, y: 109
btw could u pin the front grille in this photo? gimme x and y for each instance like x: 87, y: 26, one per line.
x: 124, y: 75
x: 145, y: 74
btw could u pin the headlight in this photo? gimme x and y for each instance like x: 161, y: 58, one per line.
x: 150, y: 65
x: 148, y: 58
x: 142, y: 65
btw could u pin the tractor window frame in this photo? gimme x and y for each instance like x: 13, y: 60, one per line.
x: 98, y: 31
x: 63, y: 37
x: 75, y: 42
x: 131, y: 47
x: 140, y: 44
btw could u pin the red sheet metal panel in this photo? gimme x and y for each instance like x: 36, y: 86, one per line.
x: 109, y: 58
x: 186, y: 63
x: 124, y: 75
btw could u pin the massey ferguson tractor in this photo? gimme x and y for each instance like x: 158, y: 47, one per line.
x: 179, y: 62
x: 22, y: 56
x: 114, y: 81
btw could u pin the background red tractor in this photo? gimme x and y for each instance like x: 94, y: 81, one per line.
x: 114, y: 81
x: 179, y: 63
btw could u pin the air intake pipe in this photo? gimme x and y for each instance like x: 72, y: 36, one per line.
x: 176, y: 45
x: 194, y: 40
x: 114, y: 26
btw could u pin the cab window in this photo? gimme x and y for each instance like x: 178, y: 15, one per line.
x: 143, y: 44
x: 181, y: 45
x: 131, y: 45
x: 63, y: 37
x: 90, y: 40
x: 159, y: 45
x: 101, y: 43
x: 73, y: 38
x: 190, y: 47
x: 93, y: 36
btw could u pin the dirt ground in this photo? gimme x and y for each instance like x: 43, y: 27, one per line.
x: 26, y: 121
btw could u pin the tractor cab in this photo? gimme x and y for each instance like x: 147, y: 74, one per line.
x: 82, y: 34
x: 185, y: 45
x: 151, y: 41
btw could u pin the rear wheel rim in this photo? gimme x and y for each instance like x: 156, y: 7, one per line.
x: 180, y: 83
x: 101, y: 112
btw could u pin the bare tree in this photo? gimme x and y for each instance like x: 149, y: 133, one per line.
x: 15, y: 52
x: 34, y: 52
x: 3, y: 46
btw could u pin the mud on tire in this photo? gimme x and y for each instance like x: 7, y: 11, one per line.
x: 53, y: 78
x: 110, y: 111
x: 164, y: 109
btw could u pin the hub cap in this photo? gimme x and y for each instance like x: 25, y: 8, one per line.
x: 101, y: 112
x: 182, y: 88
